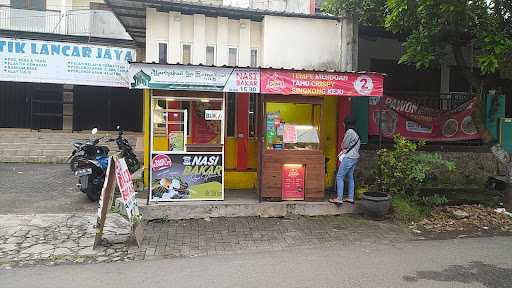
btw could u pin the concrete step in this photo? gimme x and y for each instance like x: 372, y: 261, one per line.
x: 209, y: 209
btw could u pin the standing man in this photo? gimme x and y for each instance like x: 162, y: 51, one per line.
x: 348, y: 157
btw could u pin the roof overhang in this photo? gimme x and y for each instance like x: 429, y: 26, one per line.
x: 132, y: 13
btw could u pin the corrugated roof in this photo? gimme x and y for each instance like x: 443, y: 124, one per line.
x: 259, y: 67
x: 132, y: 13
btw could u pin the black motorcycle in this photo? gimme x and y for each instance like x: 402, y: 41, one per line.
x: 126, y: 151
x: 91, y: 168
x: 76, y: 154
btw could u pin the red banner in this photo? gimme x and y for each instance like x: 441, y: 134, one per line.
x: 320, y: 83
x: 416, y: 122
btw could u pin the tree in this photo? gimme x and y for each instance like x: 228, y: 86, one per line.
x: 436, y: 30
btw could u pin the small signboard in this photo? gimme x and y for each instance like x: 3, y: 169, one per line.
x: 125, y: 184
x: 292, y: 182
x: 213, y: 115
x: 118, y: 169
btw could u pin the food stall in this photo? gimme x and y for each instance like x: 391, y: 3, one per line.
x: 186, y: 132
x: 185, y: 110
x: 292, y: 161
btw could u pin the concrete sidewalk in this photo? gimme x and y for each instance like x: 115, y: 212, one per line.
x: 50, y: 239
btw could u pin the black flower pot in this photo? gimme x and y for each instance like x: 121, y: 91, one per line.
x: 375, y: 204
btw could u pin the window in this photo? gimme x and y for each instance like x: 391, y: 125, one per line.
x: 231, y: 115
x: 233, y: 57
x: 210, y: 55
x: 186, y: 54
x: 29, y: 4
x: 162, y: 52
x: 254, y: 57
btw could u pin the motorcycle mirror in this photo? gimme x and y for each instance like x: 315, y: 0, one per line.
x: 94, y: 131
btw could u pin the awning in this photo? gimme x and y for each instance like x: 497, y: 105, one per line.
x: 254, y: 80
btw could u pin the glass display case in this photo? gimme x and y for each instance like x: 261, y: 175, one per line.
x: 187, y: 160
x: 291, y: 126
x: 293, y: 166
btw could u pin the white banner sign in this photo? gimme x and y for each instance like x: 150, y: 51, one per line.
x: 64, y: 63
x: 182, y: 77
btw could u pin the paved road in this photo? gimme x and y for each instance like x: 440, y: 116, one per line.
x: 40, y: 188
x: 477, y: 262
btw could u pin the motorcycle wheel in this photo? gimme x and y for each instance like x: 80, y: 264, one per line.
x: 92, y: 191
x: 73, y: 163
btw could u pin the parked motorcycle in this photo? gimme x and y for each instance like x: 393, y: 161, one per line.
x: 92, y: 168
x: 126, y: 151
x: 76, y: 154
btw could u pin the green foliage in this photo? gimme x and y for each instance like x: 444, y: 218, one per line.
x: 432, y: 200
x: 435, y: 27
x: 115, y: 209
x: 137, y: 219
x: 367, y: 12
x: 407, y: 211
x: 402, y: 170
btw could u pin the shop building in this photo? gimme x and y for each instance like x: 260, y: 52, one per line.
x: 187, y: 113
x: 188, y: 33
x: 62, y: 72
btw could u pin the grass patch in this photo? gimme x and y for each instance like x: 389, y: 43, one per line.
x: 406, y: 211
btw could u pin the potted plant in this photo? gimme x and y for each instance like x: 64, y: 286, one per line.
x: 400, y: 172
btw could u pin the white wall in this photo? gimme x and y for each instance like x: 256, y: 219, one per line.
x: 302, y: 43
x: 157, y: 30
x: 200, y: 31
x: 288, y: 42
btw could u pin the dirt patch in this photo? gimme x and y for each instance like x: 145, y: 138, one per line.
x: 463, y: 221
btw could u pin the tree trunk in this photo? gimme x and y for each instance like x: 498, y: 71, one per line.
x: 479, y: 120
